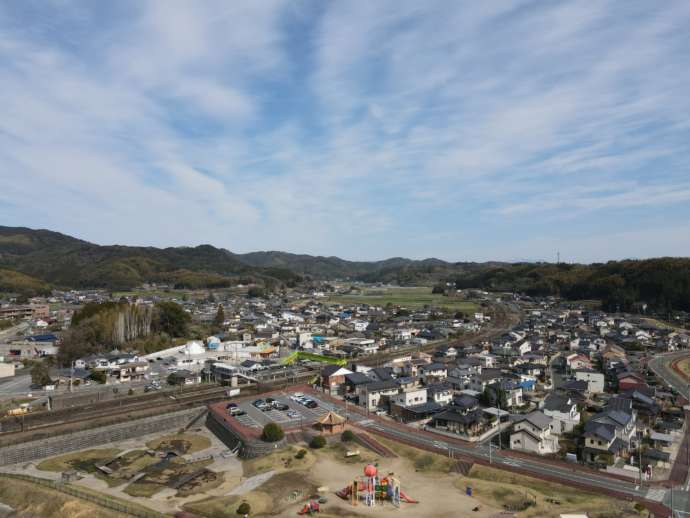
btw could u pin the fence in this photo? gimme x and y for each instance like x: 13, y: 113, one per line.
x: 97, y: 499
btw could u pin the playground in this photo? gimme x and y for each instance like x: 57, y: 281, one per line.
x: 374, y: 488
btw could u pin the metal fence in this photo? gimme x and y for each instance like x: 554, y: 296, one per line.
x: 97, y: 499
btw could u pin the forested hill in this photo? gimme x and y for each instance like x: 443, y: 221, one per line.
x: 32, y: 261
x: 662, y: 283
x: 50, y: 258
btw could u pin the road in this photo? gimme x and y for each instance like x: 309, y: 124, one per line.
x: 679, y: 497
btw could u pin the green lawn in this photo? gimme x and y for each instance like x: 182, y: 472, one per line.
x: 408, y: 297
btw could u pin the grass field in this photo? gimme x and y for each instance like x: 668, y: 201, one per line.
x: 33, y: 500
x: 182, y: 443
x: 406, y: 297
x: 82, y: 460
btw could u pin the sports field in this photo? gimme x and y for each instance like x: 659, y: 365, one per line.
x: 406, y: 297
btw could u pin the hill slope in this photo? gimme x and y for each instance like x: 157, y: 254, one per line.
x: 30, y: 260
x: 68, y: 262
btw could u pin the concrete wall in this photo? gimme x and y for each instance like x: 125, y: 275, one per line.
x: 249, y: 446
x: 62, y: 444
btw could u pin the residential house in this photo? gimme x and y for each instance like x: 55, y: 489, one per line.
x: 563, y: 410
x: 533, y: 433
x: 333, y: 378
x: 596, y: 381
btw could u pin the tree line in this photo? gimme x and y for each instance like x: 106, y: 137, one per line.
x: 662, y: 284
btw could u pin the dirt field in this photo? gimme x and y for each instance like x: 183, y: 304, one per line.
x: 500, y: 488
x: 325, y: 471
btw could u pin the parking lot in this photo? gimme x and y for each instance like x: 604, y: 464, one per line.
x: 304, y: 416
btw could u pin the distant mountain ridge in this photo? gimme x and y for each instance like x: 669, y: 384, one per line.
x: 33, y: 261
x: 49, y: 257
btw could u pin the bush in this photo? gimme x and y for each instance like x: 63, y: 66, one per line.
x: 98, y: 377
x: 272, y: 433
x: 300, y: 454
x: 347, y: 436
x: 424, y: 462
x: 318, y: 442
x: 244, y: 508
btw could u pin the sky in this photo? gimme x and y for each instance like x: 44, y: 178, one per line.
x: 505, y: 130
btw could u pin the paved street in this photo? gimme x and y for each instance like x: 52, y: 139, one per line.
x: 679, y: 498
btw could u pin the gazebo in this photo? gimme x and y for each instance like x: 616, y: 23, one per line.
x: 332, y: 423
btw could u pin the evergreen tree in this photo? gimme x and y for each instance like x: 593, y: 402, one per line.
x: 219, y: 319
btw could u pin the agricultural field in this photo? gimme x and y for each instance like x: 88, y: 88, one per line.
x: 406, y: 297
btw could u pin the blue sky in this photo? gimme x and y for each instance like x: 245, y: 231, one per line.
x: 461, y: 130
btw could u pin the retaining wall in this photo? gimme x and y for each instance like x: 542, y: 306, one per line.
x: 250, y: 446
x: 96, y: 437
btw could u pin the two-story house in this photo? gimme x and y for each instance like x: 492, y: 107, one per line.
x: 563, y: 410
x: 533, y: 433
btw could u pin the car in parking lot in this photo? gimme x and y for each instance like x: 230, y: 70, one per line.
x: 261, y: 404
x: 293, y: 414
x: 237, y: 411
x: 280, y: 406
x: 310, y: 403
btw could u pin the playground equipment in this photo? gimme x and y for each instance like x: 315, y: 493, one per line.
x: 372, y: 488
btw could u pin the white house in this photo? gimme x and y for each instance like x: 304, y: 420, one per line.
x: 360, y: 325
x: 563, y: 411
x: 595, y: 380
x: 533, y: 433
x: 417, y: 396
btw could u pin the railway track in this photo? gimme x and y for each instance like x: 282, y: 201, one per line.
x: 95, y: 415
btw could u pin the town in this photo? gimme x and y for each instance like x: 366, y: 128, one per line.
x: 511, y: 380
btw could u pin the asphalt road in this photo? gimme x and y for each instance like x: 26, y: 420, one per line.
x: 679, y: 497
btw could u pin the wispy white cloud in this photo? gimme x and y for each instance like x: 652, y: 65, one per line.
x: 358, y: 128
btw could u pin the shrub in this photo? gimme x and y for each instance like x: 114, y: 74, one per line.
x: 424, y: 462
x: 347, y: 436
x: 272, y: 433
x: 98, y: 377
x: 318, y: 442
x: 244, y: 508
x: 300, y: 454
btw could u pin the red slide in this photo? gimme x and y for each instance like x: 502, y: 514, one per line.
x: 407, y: 499
x: 345, y: 492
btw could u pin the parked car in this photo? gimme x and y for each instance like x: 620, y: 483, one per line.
x: 280, y: 406
x: 311, y: 404
x: 293, y: 414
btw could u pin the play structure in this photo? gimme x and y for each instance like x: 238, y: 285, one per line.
x: 311, y: 507
x: 372, y: 488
